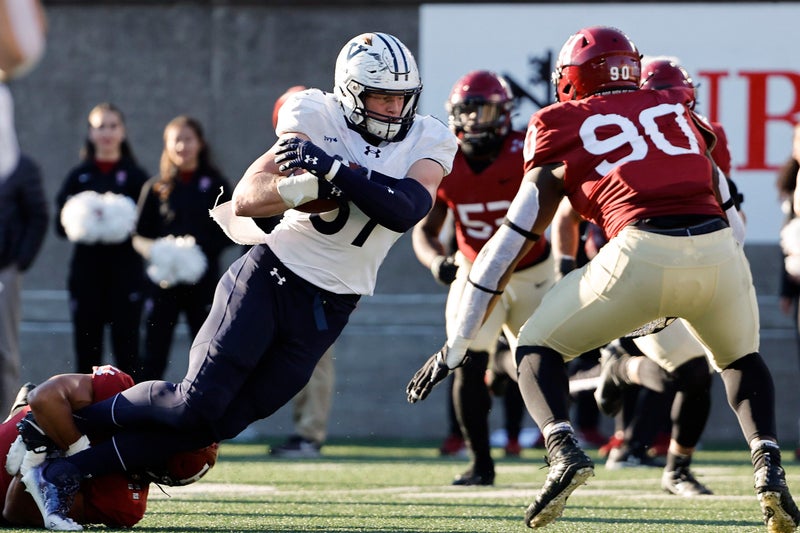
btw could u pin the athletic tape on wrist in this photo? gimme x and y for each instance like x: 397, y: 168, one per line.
x: 334, y: 169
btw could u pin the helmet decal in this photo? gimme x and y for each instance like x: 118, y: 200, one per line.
x: 595, y: 60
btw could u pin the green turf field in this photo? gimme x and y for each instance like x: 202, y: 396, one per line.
x: 384, y: 487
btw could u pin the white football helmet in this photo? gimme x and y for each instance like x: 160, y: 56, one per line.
x: 379, y: 63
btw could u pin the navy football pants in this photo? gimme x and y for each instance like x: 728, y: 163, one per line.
x: 258, y: 347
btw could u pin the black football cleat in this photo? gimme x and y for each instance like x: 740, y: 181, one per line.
x: 636, y: 457
x: 471, y: 477
x: 21, y: 400
x: 608, y: 393
x: 682, y: 482
x: 570, y: 467
x: 777, y: 506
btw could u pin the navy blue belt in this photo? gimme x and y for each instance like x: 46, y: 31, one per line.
x: 710, y: 226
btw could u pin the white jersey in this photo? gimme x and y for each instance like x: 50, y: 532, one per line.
x: 351, y: 245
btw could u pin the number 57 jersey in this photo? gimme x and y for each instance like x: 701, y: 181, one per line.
x: 628, y: 156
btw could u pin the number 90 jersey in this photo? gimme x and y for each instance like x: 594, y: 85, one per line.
x: 341, y: 250
x: 627, y: 156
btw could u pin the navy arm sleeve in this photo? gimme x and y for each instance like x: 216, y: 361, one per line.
x: 397, y: 204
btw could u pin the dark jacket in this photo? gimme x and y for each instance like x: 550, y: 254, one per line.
x: 184, y: 211
x: 101, y: 267
x: 23, y: 215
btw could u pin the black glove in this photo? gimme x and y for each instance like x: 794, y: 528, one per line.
x: 432, y: 372
x: 296, y: 153
x: 444, y: 269
x: 34, y: 436
x: 566, y: 265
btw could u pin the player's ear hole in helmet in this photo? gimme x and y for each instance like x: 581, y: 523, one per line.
x: 595, y: 60
x: 377, y: 64
x: 479, y: 112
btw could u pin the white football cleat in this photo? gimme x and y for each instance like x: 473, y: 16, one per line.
x: 53, y: 502
x: 16, y: 453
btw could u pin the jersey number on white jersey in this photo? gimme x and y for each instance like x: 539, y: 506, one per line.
x: 329, y: 227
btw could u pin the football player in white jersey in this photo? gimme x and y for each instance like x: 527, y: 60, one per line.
x: 367, y: 167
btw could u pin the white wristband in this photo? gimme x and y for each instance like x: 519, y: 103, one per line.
x: 78, y: 446
x: 334, y: 169
x: 298, y: 189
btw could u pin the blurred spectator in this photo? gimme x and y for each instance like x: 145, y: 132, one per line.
x: 96, y: 207
x: 786, y: 183
x: 179, y: 239
x: 790, y: 240
x: 311, y: 408
x: 23, y: 226
x: 22, y: 43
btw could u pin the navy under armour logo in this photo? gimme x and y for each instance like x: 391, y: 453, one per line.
x: 335, y: 191
x: 372, y: 151
x: 309, y: 159
x: 274, y: 272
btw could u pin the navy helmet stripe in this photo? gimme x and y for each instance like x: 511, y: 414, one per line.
x: 399, y: 52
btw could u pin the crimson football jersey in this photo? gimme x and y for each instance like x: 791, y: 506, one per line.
x: 620, y: 152
x: 479, y: 201
x: 111, y: 499
x: 721, y: 154
x: 8, y: 434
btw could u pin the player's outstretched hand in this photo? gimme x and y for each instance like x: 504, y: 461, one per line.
x: 432, y: 372
x: 295, y: 153
x: 34, y: 436
x: 444, y: 269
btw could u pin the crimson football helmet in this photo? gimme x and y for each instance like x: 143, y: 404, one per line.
x: 479, y: 111
x: 183, y: 468
x: 663, y: 73
x: 282, y: 100
x: 377, y: 63
x: 595, y: 60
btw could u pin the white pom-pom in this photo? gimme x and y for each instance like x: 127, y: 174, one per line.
x: 90, y: 217
x: 118, y: 218
x: 790, y: 244
x: 790, y: 237
x: 80, y: 217
x: 176, y: 260
x: 792, y: 265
